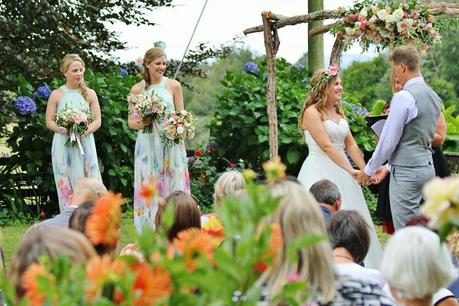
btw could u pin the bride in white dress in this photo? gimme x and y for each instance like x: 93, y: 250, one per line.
x: 328, y: 136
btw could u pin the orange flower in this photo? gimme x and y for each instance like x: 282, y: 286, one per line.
x: 149, y: 190
x: 214, y: 227
x: 274, y: 170
x: 193, y: 244
x: 103, y: 225
x: 151, y: 284
x: 31, y: 286
x: 273, y: 250
x: 102, y: 270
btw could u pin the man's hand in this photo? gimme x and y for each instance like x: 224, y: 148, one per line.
x: 379, y: 175
x: 363, y: 178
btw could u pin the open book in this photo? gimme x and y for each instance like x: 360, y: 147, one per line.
x: 376, y: 123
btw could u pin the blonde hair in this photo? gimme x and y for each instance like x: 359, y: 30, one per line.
x: 407, y: 55
x: 89, y: 189
x: 317, y: 96
x: 66, y: 62
x: 43, y: 240
x: 227, y: 184
x: 299, y: 215
x: 150, y: 55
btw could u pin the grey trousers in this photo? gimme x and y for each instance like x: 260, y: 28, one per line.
x: 405, y: 191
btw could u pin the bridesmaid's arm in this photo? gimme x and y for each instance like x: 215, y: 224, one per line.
x: 354, y: 152
x: 51, y: 109
x: 178, y: 95
x: 95, y: 110
x: 136, y: 124
x: 313, y: 123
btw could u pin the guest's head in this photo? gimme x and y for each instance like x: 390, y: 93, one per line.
x: 42, y: 240
x: 227, y: 184
x: 406, y: 63
x: 416, y: 265
x: 327, y: 194
x: 187, y: 213
x: 87, y: 189
x: 299, y: 215
x: 347, y: 229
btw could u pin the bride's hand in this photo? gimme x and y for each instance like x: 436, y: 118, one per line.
x: 354, y: 173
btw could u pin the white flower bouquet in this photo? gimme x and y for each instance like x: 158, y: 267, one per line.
x: 75, y: 122
x: 177, y: 127
x: 146, y: 108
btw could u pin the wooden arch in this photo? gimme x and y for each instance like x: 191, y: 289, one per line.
x: 273, y: 22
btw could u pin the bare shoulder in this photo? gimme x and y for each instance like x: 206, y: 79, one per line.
x: 138, y: 88
x: 55, y: 95
x: 174, y: 84
x: 92, y: 93
x: 312, y: 112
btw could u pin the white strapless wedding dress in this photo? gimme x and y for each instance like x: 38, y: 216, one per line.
x: 318, y: 166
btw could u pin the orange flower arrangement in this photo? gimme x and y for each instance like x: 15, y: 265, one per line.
x: 31, y: 286
x: 103, y: 225
x: 274, y: 170
x: 193, y: 244
x: 273, y: 251
x: 151, y: 284
x: 214, y: 227
x: 101, y: 270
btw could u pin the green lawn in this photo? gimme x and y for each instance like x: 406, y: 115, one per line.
x: 12, y: 235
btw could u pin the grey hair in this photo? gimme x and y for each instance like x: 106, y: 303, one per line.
x: 415, y: 264
x: 325, y: 191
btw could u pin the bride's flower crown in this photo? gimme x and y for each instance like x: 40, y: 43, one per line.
x: 326, y: 75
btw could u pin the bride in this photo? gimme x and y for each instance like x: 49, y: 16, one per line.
x: 328, y: 137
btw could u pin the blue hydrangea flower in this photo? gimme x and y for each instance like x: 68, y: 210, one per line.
x: 251, y: 67
x: 123, y: 71
x: 43, y: 92
x: 25, y: 105
x: 300, y: 66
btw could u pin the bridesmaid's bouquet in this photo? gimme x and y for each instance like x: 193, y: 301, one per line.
x: 146, y: 108
x: 178, y: 126
x: 76, y: 122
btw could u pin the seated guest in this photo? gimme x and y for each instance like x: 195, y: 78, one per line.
x: 87, y: 189
x: 416, y: 265
x: 228, y: 183
x: 52, y: 241
x: 298, y: 215
x: 350, y: 240
x: 327, y: 194
x: 187, y: 213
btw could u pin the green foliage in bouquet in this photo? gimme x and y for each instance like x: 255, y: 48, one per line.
x: 452, y: 126
x: 191, y: 270
x: 240, y: 123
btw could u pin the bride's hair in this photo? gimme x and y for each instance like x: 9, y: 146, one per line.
x: 317, y: 96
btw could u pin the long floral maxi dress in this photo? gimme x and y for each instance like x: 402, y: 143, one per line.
x: 69, y: 165
x: 153, y: 160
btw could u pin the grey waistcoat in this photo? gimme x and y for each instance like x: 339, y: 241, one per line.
x: 415, y: 145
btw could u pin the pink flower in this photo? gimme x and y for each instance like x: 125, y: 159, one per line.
x: 293, y: 277
x: 136, y: 116
x: 176, y: 117
x: 139, y: 61
x: 333, y: 70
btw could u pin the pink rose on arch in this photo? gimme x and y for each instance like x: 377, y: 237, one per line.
x: 333, y: 70
x: 136, y: 116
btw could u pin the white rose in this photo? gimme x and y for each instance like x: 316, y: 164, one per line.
x: 364, y: 12
x: 180, y: 130
x: 382, y: 14
x: 391, y: 19
x: 373, y: 19
x: 358, y: 24
x: 348, y: 31
x: 398, y: 14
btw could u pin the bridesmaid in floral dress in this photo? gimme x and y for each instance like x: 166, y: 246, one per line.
x: 69, y: 164
x: 153, y: 160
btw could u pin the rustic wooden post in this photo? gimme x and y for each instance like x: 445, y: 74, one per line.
x: 337, y: 50
x: 272, y: 45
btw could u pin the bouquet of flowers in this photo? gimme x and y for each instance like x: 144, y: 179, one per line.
x: 76, y: 122
x: 178, y: 126
x: 146, y: 108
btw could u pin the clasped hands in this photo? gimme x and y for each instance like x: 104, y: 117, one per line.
x: 364, y: 180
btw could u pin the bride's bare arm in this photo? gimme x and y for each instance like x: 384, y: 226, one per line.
x: 354, y: 152
x: 313, y: 123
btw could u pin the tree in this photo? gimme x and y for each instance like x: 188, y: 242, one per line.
x: 36, y: 34
x: 315, y: 43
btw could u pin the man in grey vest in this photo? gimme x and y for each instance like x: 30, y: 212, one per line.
x: 407, y: 137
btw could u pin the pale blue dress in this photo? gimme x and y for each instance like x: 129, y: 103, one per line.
x: 152, y: 160
x: 69, y: 166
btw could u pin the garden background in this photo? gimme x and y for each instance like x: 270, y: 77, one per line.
x: 227, y: 95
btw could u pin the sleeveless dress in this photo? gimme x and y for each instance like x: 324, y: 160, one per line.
x: 69, y: 166
x: 318, y: 166
x: 153, y: 160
